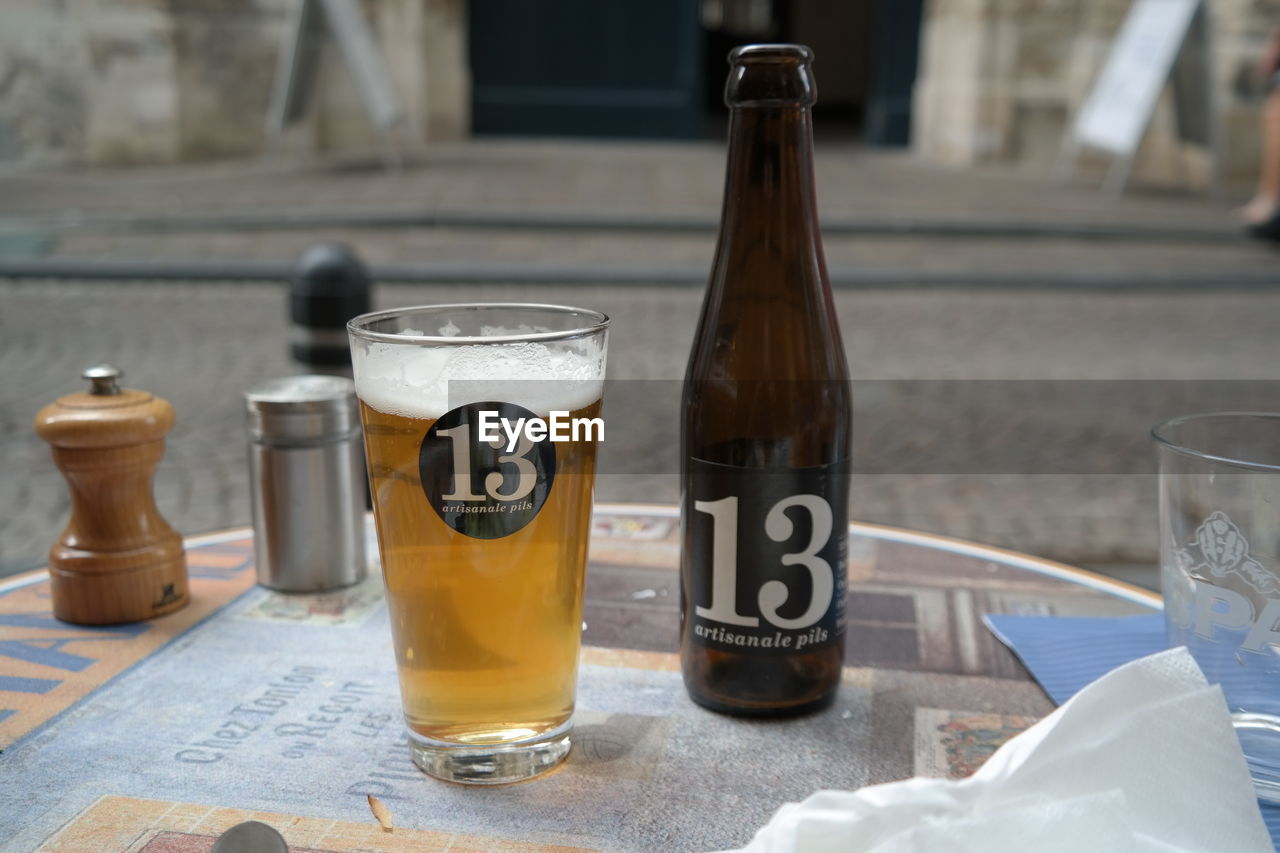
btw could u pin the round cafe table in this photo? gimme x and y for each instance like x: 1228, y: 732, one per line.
x: 248, y: 704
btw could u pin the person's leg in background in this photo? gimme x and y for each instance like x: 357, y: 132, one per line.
x: 1262, y: 213
x: 1267, y: 198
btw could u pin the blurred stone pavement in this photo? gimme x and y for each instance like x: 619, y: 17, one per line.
x: 1156, y: 294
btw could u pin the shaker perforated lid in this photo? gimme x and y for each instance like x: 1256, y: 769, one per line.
x: 302, y: 409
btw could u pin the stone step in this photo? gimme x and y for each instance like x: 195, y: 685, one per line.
x: 443, y: 254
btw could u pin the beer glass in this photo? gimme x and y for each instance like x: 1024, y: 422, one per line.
x: 483, y: 520
x: 1220, y: 567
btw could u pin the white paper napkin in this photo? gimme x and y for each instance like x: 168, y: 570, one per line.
x: 1142, y: 760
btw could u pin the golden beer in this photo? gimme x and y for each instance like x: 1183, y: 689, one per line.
x: 483, y: 531
x: 486, y: 631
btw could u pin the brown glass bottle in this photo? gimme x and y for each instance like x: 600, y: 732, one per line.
x: 767, y: 417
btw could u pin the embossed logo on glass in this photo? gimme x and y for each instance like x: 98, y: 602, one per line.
x: 1221, y: 550
x: 1222, y: 594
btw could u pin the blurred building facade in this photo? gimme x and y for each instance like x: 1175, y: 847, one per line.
x: 128, y: 82
x: 119, y: 82
x: 1000, y: 80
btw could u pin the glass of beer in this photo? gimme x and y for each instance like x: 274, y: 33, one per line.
x: 481, y: 423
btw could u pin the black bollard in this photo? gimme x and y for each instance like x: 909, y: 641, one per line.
x: 330, y: 287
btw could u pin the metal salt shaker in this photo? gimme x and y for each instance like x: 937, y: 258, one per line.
x: 308, y: 483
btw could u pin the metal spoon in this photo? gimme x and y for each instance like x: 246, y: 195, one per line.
x: 250, y: 837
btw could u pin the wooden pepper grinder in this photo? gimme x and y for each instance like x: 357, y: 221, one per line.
x: 118, y: 560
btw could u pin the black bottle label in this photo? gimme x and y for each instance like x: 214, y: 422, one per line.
x: 765, y: 557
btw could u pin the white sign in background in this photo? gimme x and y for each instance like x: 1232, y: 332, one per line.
x: 1124, y: 96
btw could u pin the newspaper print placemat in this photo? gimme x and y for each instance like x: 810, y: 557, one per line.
x: 287, y: 707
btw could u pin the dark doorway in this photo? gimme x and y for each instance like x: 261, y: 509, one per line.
x: 838, y: 31
x: 894, y: 62
x: 586, y: 67
x: 656, y: 68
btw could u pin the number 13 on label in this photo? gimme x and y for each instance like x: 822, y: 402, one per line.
x: 773, y: 594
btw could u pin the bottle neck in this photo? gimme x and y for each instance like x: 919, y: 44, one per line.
x: 769, y: 197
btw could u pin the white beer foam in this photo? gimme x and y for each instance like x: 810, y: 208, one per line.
x: 426, y: 382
